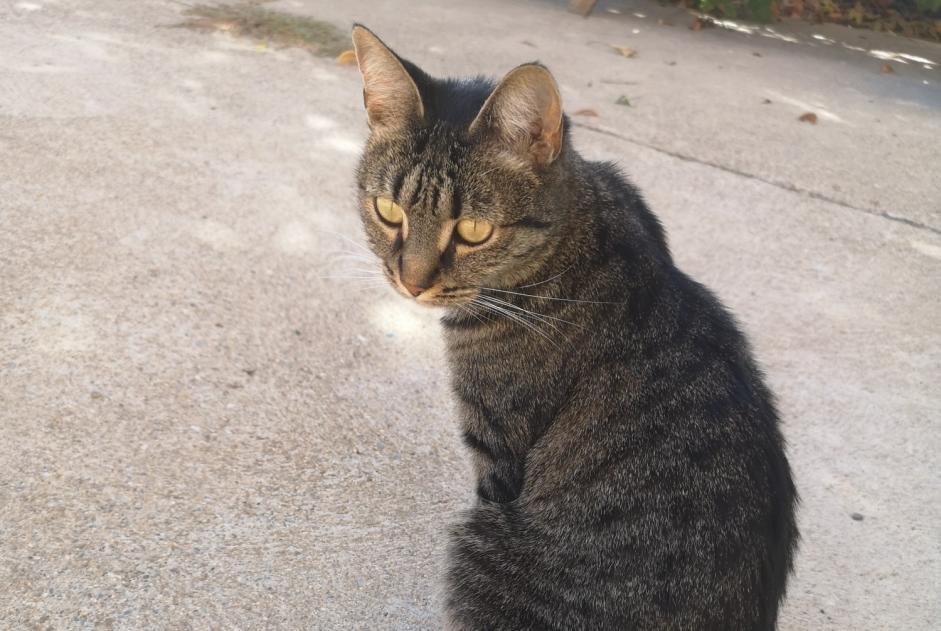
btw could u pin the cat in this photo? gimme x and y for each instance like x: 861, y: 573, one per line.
x: 629, y: 467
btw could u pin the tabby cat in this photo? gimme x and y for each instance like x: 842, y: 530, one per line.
x: 630, y: 472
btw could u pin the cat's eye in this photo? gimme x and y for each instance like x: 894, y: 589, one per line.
x: 474, y: 231
x: 389, y: 211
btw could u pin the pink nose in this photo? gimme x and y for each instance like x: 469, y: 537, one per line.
x: 413, y: 289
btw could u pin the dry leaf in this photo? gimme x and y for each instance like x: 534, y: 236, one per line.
x: 623, y: 100
x: 808, y: 117
x: 697, y: 25
x: 586, y: 111
x: 346, y: 58
x: 887, y: 68
x: 624, y: 50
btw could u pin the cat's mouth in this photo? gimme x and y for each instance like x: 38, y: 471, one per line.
x: 436, y: 295
x: 439, y: 295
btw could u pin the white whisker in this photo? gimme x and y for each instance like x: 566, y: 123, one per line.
x: 548, y: 279
x: 346, y: 238
x: 517, y: 293
x: 541, y: 316
x: 517, y: 318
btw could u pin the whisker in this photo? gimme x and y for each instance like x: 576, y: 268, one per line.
x: 466, y: 309
x: 548, y: 279
x: 345, y: 238
x: 356, y: 256
x: 347, y: 276
x: 532, y: 314
x: 517, y: 318
x: 541, y: 316
x: 517, y: 293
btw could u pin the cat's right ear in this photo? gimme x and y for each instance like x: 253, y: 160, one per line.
x: 389, y: 93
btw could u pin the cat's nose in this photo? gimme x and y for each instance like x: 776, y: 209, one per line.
x: 413, y: 289
x: 416, y: 272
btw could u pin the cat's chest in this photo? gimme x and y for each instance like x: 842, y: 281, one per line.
x: 509, y: 391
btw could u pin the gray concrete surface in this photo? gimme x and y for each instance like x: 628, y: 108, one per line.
x: 198, y: 430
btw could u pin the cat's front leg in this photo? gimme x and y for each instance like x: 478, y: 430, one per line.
x: 498, y: 469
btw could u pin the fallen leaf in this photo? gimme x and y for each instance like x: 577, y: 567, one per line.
x: 766, y: 102
x: 585, y: 111
x: 582, y: 7
x: 623, y: 100
x: 346, y: 58
x: 808, y: 117
x: 261, y: 46
x: 756, y: 54
x: 624, y: 50
x: 887, y: 68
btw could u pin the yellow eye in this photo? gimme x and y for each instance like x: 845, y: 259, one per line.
x: 474, y: 231
x: 389, y: 210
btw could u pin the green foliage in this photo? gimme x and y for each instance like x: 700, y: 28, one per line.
x: 758, y: 10
x: 928, y: 6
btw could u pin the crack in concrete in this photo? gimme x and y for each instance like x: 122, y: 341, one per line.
x: 751, y: 176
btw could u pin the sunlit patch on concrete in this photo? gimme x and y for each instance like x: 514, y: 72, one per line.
x: 318, y: 122
x: 294, y: 238
x: 343, y: 144
x: 62, y: 330
x: 320, y: 74
x: 27, y: 6
x: 902, y: 58
x: 817, y: 108
x: 217, y: 235
x: 88, y: 48
x: 918, y: 60
x: 934, y: 251
x: 402, y: 319
x: 214, y: 57
x: 770, y: 32
x: 41, y: 68
x: 733, y: 26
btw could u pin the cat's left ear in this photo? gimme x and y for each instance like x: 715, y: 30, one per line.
x: 524, y: 112
x: 389, y: 93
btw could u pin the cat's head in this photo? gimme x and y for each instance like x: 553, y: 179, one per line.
x: 454, y: 178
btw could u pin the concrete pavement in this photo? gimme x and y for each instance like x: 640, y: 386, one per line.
x: 203, y: 427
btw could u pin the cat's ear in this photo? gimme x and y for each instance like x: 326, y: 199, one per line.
x: 525, y: 114
x: 389, y: 93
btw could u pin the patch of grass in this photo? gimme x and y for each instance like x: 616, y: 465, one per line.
x: 249, y: 19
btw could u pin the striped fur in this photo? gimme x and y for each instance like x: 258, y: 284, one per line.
x: 630, y: 472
